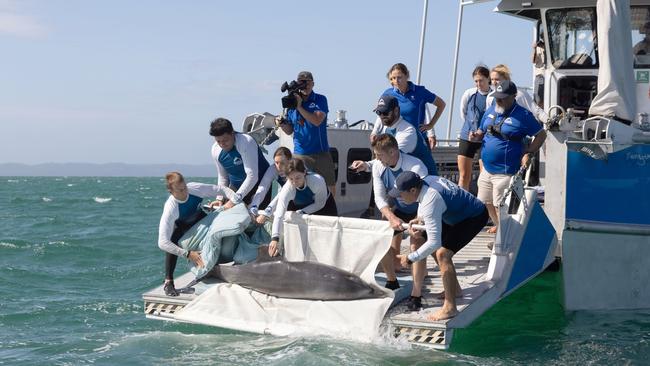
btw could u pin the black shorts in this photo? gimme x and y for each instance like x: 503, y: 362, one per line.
x: 468, y: 148
x: 406, y: 217
x: 455, y: 237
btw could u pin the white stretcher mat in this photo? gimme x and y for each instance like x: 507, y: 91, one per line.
x: 356, y: 245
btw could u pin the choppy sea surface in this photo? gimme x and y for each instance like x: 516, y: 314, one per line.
x: 77, y: 253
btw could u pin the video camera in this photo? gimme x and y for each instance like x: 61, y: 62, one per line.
x: 289, y: 101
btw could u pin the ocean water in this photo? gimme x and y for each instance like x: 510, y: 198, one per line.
x: 77, y: 253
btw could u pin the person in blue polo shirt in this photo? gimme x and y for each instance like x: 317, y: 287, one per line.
x: 503, y: 129
x: 308, y: 124
x: 412, y: 101
x: 239, y: 160
x: 452, y: 217
x: 408, y: 139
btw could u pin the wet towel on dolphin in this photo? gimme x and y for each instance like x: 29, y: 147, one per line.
x: 220, y: 238
x: 355, y: 245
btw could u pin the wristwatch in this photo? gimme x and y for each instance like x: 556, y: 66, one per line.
x: 187, y: 255
x: 410, y: 262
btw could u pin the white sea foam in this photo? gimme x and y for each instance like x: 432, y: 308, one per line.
x: 102, y: 199
x: 71, y: 184
x: 8, y: 245
x: 46, y: 199
x: 12, y: 180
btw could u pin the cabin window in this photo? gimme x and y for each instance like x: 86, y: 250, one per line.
x: 572, y: 36
x: 641, y: 36
x: 358, y: 154
x: 335, y: 159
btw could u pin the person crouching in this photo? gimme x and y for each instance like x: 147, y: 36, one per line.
x: 181, y: 211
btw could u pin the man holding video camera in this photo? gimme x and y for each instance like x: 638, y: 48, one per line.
x: 306, y: 118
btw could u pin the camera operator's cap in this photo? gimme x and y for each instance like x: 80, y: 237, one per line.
x: 505, y: 89
x: 405, y: 181
x: 305, y: 75
x: 386, y: 103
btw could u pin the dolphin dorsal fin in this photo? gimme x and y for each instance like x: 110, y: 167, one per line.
x: 263, y: 254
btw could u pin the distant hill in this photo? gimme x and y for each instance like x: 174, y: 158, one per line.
x: 105, y: 170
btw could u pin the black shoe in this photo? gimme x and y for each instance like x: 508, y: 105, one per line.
x: 414, y: 303
x: 392, y: 285
x: 170, y: 290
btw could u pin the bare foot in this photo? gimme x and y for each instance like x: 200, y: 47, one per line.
x: 492, y: 230
x: 441, y: 295
x: 443, y: 314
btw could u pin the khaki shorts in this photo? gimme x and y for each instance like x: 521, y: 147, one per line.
x: 321, y: 164
x: 492, y: 187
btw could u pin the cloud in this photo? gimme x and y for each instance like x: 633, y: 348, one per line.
x: 21, y: 26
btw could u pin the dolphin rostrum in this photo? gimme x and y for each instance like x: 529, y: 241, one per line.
x: 297, y: 280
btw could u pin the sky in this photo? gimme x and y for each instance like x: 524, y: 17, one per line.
x: 140, y: 81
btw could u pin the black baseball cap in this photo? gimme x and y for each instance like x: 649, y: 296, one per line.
x: 505, y: 89
x: 405, y: 181
x: 385, y: 104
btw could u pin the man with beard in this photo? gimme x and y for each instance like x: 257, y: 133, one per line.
x: 503, y: 131
x: 409, y: 140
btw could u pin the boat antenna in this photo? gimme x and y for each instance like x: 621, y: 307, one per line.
x: 422, y: 34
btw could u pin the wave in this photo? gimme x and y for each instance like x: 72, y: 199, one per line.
x: 46, y: 199
x: 13, y: 180
x: 102, y: 199
x: 7, y: 245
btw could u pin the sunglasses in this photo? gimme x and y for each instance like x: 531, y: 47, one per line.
x: 383, y: 113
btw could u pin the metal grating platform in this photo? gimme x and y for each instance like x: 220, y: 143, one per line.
x: 471, y: 266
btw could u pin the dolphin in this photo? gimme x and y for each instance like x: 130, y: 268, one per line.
x: 297, y: 280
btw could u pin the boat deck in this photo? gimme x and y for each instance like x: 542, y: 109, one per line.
x: 471, y: 266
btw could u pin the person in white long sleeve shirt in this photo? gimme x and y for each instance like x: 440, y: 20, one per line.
x: 472, y: 108
x: 409, y: 140
x: 452, y: 218
x: 281, y: 159
x: 181, y: 211
x: 303, y: 193
x: 389, y: 163
x: 239, y: 160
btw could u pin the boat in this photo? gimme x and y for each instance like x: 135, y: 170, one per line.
x: 595, y: 169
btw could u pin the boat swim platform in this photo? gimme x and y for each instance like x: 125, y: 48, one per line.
x: 471, y: 265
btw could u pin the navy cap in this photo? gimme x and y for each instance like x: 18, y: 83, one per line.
x: 405, y: 181
x: 505, y: 89
x: 385, y: 104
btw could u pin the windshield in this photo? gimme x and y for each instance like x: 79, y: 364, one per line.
x: 641, y: 36
x: 572, y: 37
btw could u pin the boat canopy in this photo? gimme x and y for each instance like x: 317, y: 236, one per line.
x: 531, y: 9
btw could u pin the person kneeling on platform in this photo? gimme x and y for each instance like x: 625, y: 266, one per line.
x: 304, y: 193
x: 181, y: 211
x: 452, y: 218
